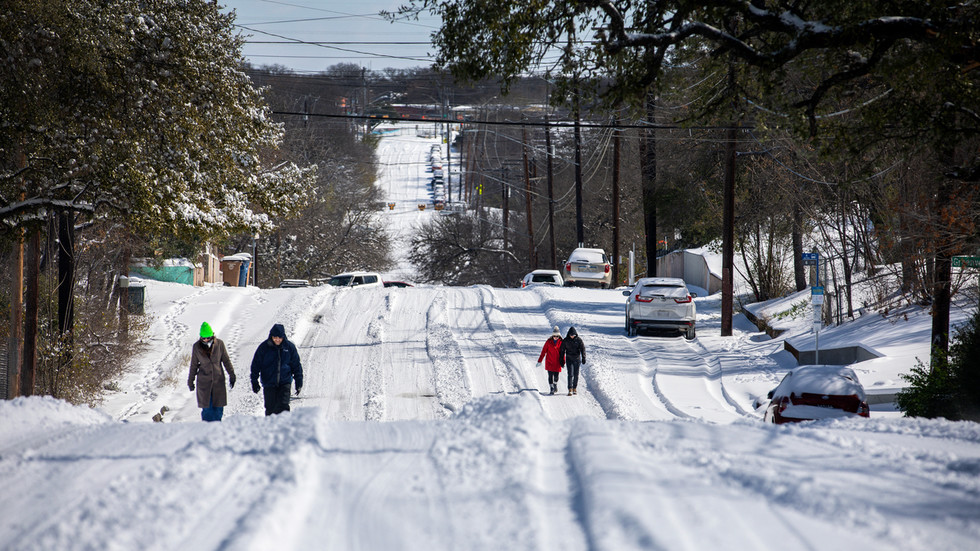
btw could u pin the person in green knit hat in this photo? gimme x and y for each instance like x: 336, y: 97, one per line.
x: 208, y: 357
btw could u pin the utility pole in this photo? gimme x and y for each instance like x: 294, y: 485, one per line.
x: 505, y: 188
x: 649, y: 191
x: 728, y: 217
x: 528, y: 200
x: 615, y: 199
x: 579, y: 221
x: 449, y: 172
x: 551, y: 195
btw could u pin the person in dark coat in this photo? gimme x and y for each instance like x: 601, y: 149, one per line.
x: 276, y: 363
x: 549, y: 353
x: 572, y: 356
x: 208, y: 357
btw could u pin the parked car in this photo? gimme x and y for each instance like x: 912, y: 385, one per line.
x: 397, y: 284
x: 356, y: 279
x: 587, y: 267
x: 543, y: 277
x: 661, y: 303
x: 813, y: 392
x: 290, y: 283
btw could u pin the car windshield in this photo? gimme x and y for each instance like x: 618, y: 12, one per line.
x: 538, y: 278
x: 340, y: 281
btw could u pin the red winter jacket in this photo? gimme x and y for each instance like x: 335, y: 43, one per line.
x: 550, y: 349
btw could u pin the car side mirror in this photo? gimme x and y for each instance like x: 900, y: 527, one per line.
x: 694, y: 295
x: 770, y: 393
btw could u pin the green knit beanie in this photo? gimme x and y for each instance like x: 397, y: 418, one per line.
x: 206, y: 331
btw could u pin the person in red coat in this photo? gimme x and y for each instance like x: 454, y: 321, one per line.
x: 552, y: 362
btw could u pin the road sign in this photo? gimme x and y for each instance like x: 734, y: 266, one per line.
x: 966, y: 261
x: 811, y: 259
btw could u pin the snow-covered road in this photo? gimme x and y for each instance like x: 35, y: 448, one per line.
x: 424, y: 424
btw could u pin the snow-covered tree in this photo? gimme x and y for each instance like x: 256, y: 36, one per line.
x: 140, y: 109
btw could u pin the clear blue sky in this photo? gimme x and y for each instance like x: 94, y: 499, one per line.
x: 351, y: 30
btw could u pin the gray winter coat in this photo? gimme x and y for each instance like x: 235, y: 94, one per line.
x: 210, y: 378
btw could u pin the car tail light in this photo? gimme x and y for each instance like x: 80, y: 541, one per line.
x: 783, y: 403
x: 683, y: 300
x: 864, y: 410
x: 568, y: 267
x: 607, y: 268
x: 641, y: 298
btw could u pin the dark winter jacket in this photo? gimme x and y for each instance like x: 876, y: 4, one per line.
x: 550, y: 351
x: 572, y: 347
x: 277, y: 365
x: 206, y: 373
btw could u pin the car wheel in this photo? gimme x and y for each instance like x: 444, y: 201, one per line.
x: 691, y: 333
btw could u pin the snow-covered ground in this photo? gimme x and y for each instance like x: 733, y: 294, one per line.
x: 424, y: 423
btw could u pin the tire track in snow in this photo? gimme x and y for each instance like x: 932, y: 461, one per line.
x: 686, y: 382
x: 449, y: 373
x: 375, y: 405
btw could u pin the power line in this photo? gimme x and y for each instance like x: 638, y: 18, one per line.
x: 542, y: 124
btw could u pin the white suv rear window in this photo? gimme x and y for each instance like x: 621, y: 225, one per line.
x: 591, y: 258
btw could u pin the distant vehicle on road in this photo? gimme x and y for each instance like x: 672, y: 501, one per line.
x: 660, y: 303
x: 812, y: 392
x: 587, y: 267
x: 543, y: 277
x: 356, y: 279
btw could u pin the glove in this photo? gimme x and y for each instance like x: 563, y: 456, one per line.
x: 255, y: 387
x: 539, y: 364
x: 190, y: 385
x: 297, y: 390
x: 231, y: 381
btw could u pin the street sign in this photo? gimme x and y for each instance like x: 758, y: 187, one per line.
x: 966, y: 261
x: 816, y: 295
x: 811, y: 259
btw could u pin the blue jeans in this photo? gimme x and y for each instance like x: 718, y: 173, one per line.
x: 572, y: 365
x: 211, y: 413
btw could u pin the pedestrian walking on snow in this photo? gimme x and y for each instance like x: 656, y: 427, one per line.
x: 572, y: 356
x: 552, y: 362
x: 209, y: 361
x: 276, y: 363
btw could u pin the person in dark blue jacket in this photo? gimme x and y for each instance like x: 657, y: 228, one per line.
x: 277, y: 363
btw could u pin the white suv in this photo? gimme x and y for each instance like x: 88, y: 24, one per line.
x: 543, y: 277
x: 660, y: 303
x: 587, y: 266
x: 357, y: 279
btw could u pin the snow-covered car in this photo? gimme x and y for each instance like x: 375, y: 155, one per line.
x: 356, y: 279
x: 587, y: 267
x: 812, y: 392
x: 543, y: 277
x: 661, y: 303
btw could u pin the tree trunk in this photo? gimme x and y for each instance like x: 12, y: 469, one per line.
x: 29, y: 369
x: 799, y: 271
x: 941, y: 286
x: 66, y: 281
